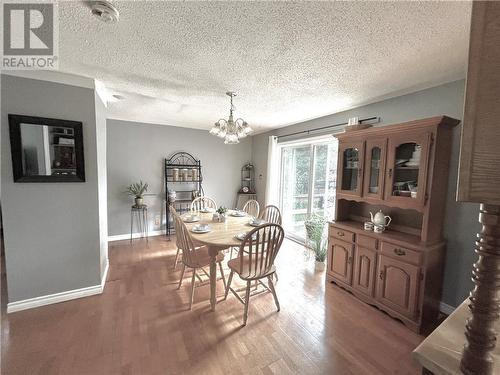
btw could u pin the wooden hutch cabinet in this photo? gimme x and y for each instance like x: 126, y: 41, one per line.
x: 403, y: 171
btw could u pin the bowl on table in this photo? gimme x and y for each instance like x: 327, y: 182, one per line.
x: 241, y: 236
x: 238, y: 213
x: 201, y: 228
x: 191, y: 218
x: 256, y: 222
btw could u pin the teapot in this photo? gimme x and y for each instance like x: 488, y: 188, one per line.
x: 380, y: 219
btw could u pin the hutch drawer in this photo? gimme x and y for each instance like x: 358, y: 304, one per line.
x: 401, y: 253
x: 342, y: 234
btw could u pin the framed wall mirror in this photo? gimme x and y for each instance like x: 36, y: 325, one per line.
x: 46, y: 150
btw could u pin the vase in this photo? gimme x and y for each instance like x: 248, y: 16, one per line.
x: 139, y: 201
x: 319, y: 266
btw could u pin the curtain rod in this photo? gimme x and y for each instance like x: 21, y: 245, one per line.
x: 375, y: 120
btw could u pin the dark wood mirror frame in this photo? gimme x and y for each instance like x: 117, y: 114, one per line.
x: 15, y: 122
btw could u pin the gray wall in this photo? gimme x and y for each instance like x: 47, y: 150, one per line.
x: 461, y: 222
x: 136, y: 152
x: 51, y: 230
x: 102, y: 192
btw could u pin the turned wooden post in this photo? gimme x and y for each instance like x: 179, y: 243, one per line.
x: 485, y: 298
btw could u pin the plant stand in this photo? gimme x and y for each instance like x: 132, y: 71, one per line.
x: 140, y: 214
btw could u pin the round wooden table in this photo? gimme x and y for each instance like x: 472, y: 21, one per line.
x: 220, y: 237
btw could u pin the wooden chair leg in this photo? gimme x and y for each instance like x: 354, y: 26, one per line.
x: 271, y: 286
x: 193, y: 281
x: 176, y: 257
x: 182, y: 275
x: 228, y: 286
x: 247, y: 302
x: 222, y: 274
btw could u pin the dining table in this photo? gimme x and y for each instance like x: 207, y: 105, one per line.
x: 222, y: 235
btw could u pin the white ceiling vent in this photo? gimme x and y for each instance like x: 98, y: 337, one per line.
x: 105, y: 11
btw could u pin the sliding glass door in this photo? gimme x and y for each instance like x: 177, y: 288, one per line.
x: 308, y: 178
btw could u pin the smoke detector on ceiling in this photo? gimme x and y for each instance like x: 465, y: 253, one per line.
x: 105, y: 11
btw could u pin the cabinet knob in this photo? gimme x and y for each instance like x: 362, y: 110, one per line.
x: 381, y: 275
x: 399, y: 252
x: 340, y: 234
x: 349, y: 260
x: 390, y: 172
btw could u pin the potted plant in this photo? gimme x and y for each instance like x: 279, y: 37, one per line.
x: 138, y: 190
x: 315, y: 239
x: 221, y: 211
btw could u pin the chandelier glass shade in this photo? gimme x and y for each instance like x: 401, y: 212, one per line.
x: 231, y: 130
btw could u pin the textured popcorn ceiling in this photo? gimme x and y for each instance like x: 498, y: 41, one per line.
x: 173, y: 61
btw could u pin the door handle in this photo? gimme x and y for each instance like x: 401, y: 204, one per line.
x: 349, y: 260
x: 381, y: 275
x: 390, y: 172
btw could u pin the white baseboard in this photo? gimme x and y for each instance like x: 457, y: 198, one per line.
x: 104, y: 276
x: 120, y: 237
x: 50, y: 299
x: 445, y: 308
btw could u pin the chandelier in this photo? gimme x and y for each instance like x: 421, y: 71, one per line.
x: 231, y: 130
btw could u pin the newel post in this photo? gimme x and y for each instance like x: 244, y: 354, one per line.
x: 485, y: 298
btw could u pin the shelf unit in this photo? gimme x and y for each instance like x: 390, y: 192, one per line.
x: 186, y: 189
x: 400, y: 270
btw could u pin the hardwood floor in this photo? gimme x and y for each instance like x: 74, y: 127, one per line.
x: 141, y: 325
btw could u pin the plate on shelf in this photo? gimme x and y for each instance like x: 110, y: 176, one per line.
x: 198, y: 229
x: 206, y: 210
x: 241, y: 236
x: 401, y: 162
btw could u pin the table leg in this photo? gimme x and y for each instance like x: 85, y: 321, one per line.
x: 213, y: 251
x: 213, y: 283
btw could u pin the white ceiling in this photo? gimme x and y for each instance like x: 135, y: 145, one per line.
x: 174, y: 61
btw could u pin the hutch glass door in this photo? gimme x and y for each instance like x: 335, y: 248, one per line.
x: 374, y: 168
x: 407, y: 168
x: 351, y: 158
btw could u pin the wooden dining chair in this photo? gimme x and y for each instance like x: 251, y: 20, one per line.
x: 203, y: 202
x: 255, y: 261
x: 175, y: 215
x: 252, y: 208
x: 194, y: 257
x: 271, y: 214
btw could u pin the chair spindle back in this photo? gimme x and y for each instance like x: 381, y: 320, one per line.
x: 259, y: 248
x: 271, y: 214
x: 252, y: 208
x: 203, y: 202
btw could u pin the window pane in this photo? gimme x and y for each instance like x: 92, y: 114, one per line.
x: 325, y: 179
x: 296, y: 163
x: 304, y: 192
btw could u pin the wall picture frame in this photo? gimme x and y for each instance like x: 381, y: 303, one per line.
x: 46, y: 149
